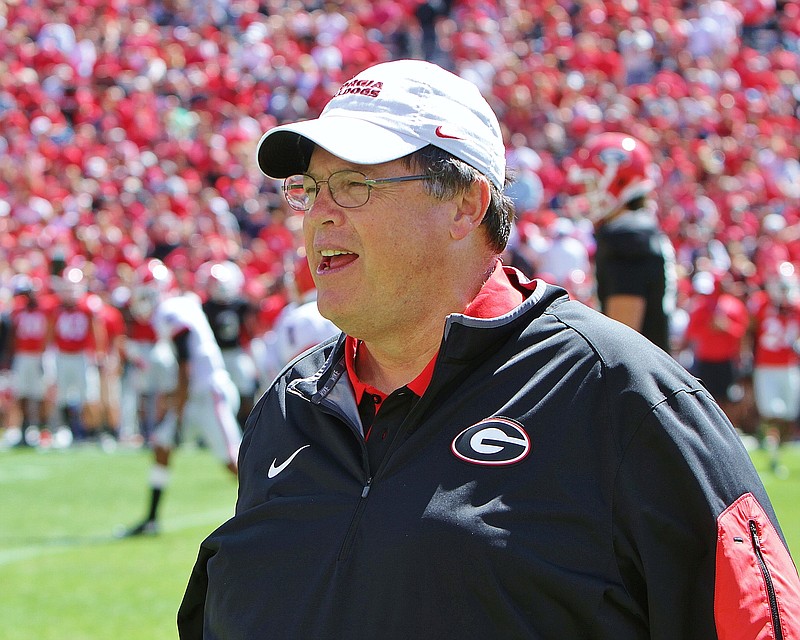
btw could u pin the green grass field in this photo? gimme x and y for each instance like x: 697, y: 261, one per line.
x: 65, y: 577
x: 63, y: 574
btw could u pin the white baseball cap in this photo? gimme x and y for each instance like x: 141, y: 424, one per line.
x: 389, y: 111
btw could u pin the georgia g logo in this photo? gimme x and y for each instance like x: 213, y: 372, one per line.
x: 492, y: 442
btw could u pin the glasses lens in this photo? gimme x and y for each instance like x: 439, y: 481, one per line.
x: 300, y: 191
x: 349, y: 188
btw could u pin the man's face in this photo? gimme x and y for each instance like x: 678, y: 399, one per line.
x: 375, y: 266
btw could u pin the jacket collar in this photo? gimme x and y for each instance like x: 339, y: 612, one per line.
x: 465, y: 338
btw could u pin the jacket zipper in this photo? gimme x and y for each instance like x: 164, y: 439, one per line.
x: 347, y: 544
x: 773, y: 600
x: 351, y: 531
x: 350, y: 536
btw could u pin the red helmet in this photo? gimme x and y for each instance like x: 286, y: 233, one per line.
x: 153, y: 282
x: 610, y: 170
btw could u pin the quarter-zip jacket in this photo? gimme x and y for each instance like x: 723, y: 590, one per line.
x: 561, y: 477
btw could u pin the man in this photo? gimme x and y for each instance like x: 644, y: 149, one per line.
x: 715, y: 333
x: 634, y: 261
x: 202, y: 401
x: 28, y: 339
x: 148, y: 371
x: 80, y: 342
x: 475, y: 456
x: 775, y: 329
x: 232, y: 319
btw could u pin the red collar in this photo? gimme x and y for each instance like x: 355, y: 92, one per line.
x: 497, y: 297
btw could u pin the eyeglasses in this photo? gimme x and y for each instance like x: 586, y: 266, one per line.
x: 349, y: 189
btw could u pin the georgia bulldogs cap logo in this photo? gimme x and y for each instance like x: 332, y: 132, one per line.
x: 493, y: 442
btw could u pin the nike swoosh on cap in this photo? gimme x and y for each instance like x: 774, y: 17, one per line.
x: 275, y: 470
x: 442, y: 134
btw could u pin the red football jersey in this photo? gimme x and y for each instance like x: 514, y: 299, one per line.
x: 30, y: 329
x: 141, y: 331
x: 716, y: 327
x: 72, y: 328
x: 776, y: 331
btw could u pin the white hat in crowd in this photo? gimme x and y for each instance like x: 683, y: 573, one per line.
x: 389, y: 111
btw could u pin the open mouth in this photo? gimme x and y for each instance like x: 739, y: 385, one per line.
x: 335, y: 259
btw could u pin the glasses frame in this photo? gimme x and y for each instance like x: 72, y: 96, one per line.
x: 370, y: 182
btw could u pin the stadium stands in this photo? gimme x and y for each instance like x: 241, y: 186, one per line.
x: 128, y: 127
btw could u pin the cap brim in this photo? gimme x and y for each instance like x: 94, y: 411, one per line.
x: 286, y: 150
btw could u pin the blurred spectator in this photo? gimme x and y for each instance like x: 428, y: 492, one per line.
x: 636, y: 47
x: 563, y: 258
x: 527, y: 190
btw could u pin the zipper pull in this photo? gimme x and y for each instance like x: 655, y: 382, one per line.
x: 365, y: 490
x: 754, y: 537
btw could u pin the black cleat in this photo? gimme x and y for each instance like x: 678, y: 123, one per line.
x: 146, y: 528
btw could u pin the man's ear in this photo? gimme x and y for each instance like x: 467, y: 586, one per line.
x: 470, y: 209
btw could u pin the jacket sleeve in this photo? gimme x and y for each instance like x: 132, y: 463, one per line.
x: 697, y: 541
x: 191, y: 613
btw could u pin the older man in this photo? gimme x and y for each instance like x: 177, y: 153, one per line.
x: 475, y: 455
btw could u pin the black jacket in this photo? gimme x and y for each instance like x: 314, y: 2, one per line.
x: 561, y: 477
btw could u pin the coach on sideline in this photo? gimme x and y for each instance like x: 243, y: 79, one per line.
x: 476, y: 455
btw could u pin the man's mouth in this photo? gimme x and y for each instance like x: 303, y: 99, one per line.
x: 335, y: 259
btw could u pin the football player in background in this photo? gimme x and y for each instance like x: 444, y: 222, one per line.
x: 775, y: 312
x: 78, y: 336
x: 202, y: 401
x: 616, y: 179
x: 28, y: 339
x: 715, y: 334
x: 232, y: 319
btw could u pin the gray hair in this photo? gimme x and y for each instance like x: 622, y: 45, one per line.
x: 450, y: 176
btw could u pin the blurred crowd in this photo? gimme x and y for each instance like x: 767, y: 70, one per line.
x: 128, y: 129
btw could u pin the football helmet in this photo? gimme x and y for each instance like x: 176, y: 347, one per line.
x: 22, y: 284
x: 609, y: 171
x: 152, y: 283
x: 222, y: 282
x: 71, y: 286
x: 783, y: 286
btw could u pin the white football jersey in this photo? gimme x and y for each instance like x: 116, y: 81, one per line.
x: 300, y: 327
x: 297, y: 328
x: 184, y: 312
